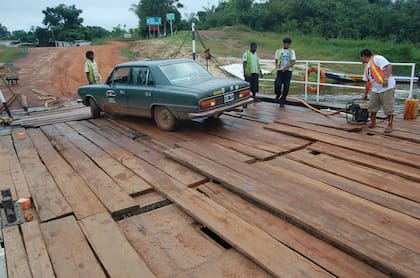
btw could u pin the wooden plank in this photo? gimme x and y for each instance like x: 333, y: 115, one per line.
x: 117, y: 256
x: 16, y: 258
x: 3, y: 267
x: 328, y: 257
x: 404, y: 135
x: 10, y: 170
x: 37, y: 252
x: 366, y: 192
x: 395, y: 168
x: 126, y: 179
x: 68, y: 249
x: 379, y: 140
x: 216, y: 150
x: 112, y: 196
x: 372, y: 149
x: 78, y: 194
x: 48, y: 200
x: 157, y: 159
x: 314, y: 212
x: 371, y: 177
x: 48, y: 118
x: 151, y: 201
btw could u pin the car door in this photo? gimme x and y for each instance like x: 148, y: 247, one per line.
x: 116, y: 95
x: 140, y: 91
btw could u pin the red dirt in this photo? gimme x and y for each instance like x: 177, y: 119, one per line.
x: 59, y: 71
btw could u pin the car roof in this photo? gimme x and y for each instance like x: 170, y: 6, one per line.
x: 157, y: 62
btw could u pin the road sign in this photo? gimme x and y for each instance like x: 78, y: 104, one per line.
x: 151, y: 20
x: 170, y: 16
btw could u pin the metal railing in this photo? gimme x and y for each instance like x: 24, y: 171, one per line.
x: 318, y: 83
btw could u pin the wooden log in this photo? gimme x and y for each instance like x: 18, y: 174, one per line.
x: 377, y: 179
x: 112, y: 196
x: 11, y: 173
x: 366, y: 192
x: 395, y: 168
x: 314, y: 213
x: 80, y: 197
x: 328, y: 257
x: 157, y: 159
x: 113, y: 250
x: 372, y: 149
x: 68, y: 249
x: 37, y: 252
x: 48, y: 200
x: 16, y: 258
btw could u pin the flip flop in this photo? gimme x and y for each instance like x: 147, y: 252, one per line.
x: 388, y: 130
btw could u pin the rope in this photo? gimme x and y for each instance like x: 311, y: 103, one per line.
x: 182, y: 45
x: 317, y: 110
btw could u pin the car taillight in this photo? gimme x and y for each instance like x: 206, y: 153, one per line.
x: 244, y: 93
x: 207, y: 103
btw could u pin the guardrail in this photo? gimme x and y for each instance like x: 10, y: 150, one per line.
x: 318, y: 83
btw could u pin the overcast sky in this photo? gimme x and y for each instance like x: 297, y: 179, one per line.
x: 22, y: 14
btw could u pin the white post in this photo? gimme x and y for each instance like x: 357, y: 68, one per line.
x: 306, y: 78
x: 410, y: 94
x: 318, y: 79
x: 193, y: 40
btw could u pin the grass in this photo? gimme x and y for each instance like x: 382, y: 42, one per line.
x: 9, y: 54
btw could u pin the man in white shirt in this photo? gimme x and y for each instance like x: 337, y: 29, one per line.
x: 285, y: 58
x: 381, y: 85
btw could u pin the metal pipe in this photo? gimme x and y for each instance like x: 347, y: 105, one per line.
x: 193, y: 39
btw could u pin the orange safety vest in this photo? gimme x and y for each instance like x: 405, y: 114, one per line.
x: 377, y: 73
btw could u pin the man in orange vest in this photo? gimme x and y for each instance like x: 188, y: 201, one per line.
x: 381, y: 84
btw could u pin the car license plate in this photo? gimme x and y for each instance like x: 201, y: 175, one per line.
x: 229, y: 97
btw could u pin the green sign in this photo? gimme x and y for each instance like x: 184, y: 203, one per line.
x: 170, y: 16
x: 151, y: 20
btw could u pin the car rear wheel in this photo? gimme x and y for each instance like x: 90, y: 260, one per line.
x: 164, y: 119
x: 94, y: 109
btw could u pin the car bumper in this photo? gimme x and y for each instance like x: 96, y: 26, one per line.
x: 220, y: 110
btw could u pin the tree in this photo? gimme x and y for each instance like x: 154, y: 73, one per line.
x: 155, y: 8
x: 4, y: 34
x: 64, y: 23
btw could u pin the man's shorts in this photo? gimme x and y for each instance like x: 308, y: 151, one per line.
x: 385, y: 99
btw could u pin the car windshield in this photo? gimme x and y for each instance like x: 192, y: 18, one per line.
x: 183, y: 72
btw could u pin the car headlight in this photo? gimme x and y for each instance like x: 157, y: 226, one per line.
x: 244, y: 93
x: 207, y: 103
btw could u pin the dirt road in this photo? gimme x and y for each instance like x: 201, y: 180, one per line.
x: 59, y: 71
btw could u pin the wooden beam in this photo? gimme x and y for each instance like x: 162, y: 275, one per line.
x: 117, y: 255
x: 68, y: 249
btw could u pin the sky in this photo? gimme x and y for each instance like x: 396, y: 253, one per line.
x: 22, y: 14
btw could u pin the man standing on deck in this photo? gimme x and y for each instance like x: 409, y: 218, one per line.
x: 285, y: 58
x: 252, y: 68
x: 381, y: 84
x: 91, y: 69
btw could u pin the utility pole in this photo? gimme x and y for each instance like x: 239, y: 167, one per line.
x: 193, y: 40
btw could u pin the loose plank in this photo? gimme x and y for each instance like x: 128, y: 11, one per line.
x: 144, y: 152
x: 117, y: 255
x: 68, y: 249
x: 49, y: 201
x: 372, y: 149
x: 395, y: 168
x: 126, y: 179
x: 366, y: 192
x: 80, y: 197
x: 16, y: 258
x: 283, y: 198
x: 371, y: 177
x: 112, y: 196
x: 11, y: 171
x: 37, y: 252
x: 318, y: 251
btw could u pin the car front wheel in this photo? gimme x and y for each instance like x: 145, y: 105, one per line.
x: 94, y: 109
x: 164, y: 119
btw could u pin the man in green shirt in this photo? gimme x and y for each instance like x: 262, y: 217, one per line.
x: 252, y: 68
x: 91, y: 69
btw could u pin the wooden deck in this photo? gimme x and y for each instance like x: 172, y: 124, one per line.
x: 262, y: 193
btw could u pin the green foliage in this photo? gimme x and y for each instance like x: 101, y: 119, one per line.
x: 4, y: 34
x: 9, y: 54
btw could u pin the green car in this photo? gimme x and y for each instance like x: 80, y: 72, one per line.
x: 167, y: 90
